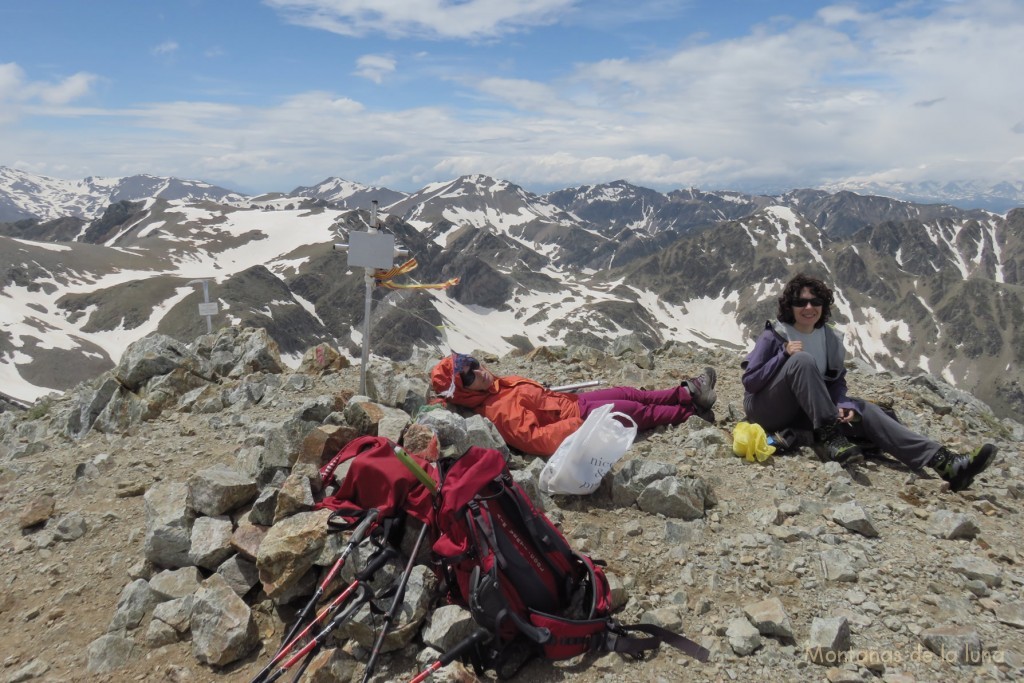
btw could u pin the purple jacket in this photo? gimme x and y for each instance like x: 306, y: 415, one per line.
x: 769, y: 355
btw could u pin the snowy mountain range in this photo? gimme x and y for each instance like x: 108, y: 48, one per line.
x: 90, y: 266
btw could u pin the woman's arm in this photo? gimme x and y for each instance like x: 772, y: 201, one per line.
x: 764, y: 361
x: 529, y: 436
x: 531, y: 419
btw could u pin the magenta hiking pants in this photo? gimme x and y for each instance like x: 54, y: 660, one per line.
x: 648, y: 408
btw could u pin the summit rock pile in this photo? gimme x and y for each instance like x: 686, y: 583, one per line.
x: 157, y: 525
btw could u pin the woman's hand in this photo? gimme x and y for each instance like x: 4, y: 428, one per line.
x: 847, y: 414
x: 794, y: 346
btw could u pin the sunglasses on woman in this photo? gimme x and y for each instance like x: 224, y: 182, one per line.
x: 468, y: 373
x: 803, y: 303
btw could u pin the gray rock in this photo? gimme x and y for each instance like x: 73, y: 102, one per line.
x: 262, y: 511
x: 177, y: 583
x: 223, y: 628
x: 153, y: 355
x: 294, y: 496
x: 629, y: 480
x: 211, y: 542
x: 393, y: 423
x: 855, y: 518
x: 528, y: 480
x: 481, y: 432
x: 617, y: 588
x: 89, y: 405
x: 1012, y: 615
x: 837, y: 565
x: 978, y: 568
x: 744, y: 639
x: 71, y: 527
x: 829, y: 637
x: 109, y: 653
x: 665, y: 617
x: 290, y: 549
x: 177, y: 614
x: 34, y: 669
x: 241, y: 574
x: 236, y: 353
x: 218, y: 490
x: 169, y: 518
x: 133, y: 604
x: 447, y: 626
x: 122, y: 411
x: 282, y: 445
x: 770, y: 618
x: 159, y: 634
x: 317, y: 410
x: 675, y: 497
x: 451, y: 430
x: 952, y: 525
x: 411, y: 394
x: 954, y: 644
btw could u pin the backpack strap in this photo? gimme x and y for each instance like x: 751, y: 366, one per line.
x: 619, y: 640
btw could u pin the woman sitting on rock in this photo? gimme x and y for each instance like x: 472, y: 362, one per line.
x: 535, y: 420
x: 795, y: 378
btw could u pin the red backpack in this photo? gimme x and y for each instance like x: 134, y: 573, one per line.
x: 514, y: 570
x: 499, y: 556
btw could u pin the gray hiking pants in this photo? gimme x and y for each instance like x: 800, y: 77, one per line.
x: 797, y: 397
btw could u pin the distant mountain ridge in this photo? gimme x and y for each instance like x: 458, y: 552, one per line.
x: 921, y: 287
x: 25, y: 195
x: 999, y: 197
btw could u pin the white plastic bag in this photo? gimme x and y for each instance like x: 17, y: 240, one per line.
x: 586, y: 455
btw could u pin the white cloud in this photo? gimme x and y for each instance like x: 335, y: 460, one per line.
x: 374, y: 67
x: 922, y: 92
x: 165, y: 48
x: 16, y: 87
x: 68, y: 90
x: 12, y: 77
x: 442, y: 19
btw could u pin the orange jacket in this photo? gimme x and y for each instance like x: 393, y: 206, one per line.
x: 529, y: 417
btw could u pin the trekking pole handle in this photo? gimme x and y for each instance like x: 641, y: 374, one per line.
x: 376, y: 563
x: 367, y: 523
x: 450, y: 656
x: 396, y: 604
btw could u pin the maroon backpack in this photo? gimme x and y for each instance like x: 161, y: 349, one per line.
x: 376, y: 479
x: 514, y: 570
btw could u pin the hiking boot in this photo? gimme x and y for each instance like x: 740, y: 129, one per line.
x: 834, y: 446
x: 702, y: 389
x: 707, y: 415
x: 960, y: 469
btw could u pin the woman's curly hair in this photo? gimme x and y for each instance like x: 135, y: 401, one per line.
x: 791, y: 292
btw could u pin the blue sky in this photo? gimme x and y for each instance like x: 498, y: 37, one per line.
x: 728, y: 94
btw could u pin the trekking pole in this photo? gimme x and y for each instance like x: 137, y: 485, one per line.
x: 448, y: 657
x: 318, y: 639
x: 574, y: 387
x: 396, y: 604
x: 368, y: 523
x: 358, y: 583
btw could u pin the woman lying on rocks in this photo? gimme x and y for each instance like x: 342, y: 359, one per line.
x: 535, y: 420
x: 795, y: 379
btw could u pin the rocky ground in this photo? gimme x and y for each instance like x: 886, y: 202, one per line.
x: 797, y: 570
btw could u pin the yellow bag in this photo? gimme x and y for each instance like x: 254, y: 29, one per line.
x: 750, y: 441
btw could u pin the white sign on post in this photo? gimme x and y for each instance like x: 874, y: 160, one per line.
x: 208, y: 308
x: 371, y: 250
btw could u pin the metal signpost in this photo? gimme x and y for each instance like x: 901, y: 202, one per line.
x: 370, y: 250
x: 207, y: 308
